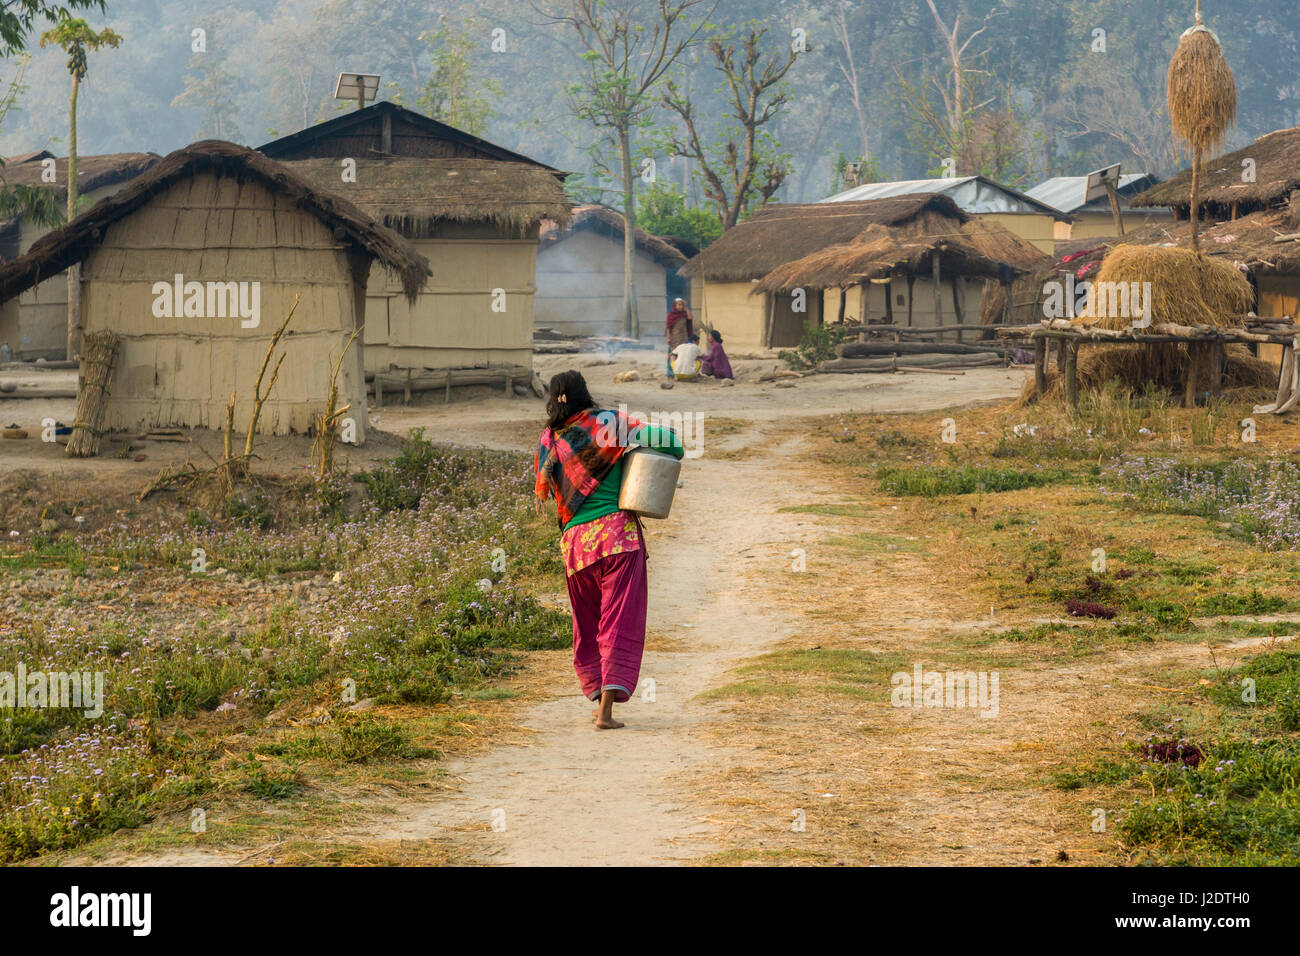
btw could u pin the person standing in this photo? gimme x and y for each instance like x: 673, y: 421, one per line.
x: 679, y: 326
x: 579, y: 461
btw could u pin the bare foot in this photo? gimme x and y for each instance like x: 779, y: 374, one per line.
x: 608, y: 723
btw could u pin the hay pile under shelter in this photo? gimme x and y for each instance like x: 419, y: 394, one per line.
x: 194, y: 264
x: 472, y: 208
x: 858, y: 262
x: 35, y: 324
x: 580, y: 274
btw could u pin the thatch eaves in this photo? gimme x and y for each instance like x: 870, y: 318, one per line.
x: 93, y: 172
x: 57, y: 250
x: 779, y: 233
x: 1276, y: 165
x: 975, y: 250
x: 413, y: 194
x: 607, y: 222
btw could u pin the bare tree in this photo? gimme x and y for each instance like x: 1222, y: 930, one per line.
x: 954, y: 88
x: 737, y: 174
x: 626, y: 57
x: 849, y: 69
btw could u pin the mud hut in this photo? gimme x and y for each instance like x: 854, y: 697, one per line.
x: 941, y: 277
x: 472, y: 208
x: 580, y: 274
x: 36, y: 323
x: 859, y: 262
x: 195, y: 263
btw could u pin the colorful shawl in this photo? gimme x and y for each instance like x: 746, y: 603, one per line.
x: 573, y: 463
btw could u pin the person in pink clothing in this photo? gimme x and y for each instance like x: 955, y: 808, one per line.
x: 579, y: 461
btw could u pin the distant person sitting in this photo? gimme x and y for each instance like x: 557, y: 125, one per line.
x: 686, y: 359
x: 715, y: 360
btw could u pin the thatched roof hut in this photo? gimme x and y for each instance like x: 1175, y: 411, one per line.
x: 1226, y: 192
x: 472, y: 207
x: 976, y: 249
x: 779, y: 233
x: 59, y: 249
x: 416, y: 196
x: 93, y: 172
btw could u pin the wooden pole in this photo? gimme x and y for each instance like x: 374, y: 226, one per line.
x: 1113, y: 194
x: 1218, y: 358
x: 1189, y: 387
x: 1040, y: 367
x: 1071, y: 373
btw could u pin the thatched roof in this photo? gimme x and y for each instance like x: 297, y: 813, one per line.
x: 57, y: 250
x: 93, y: 172
x: 607, y: 222
x: 777, y: 234
x: 412, y: 194
x: 1277, y: 173
x: 1250, y: 242
x: 974, y: 250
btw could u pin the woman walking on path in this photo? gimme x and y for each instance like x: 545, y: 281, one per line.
x: 580, y: 461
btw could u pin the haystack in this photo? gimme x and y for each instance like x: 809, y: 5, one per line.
x: 1186, y: 288
x: 1202, y: 99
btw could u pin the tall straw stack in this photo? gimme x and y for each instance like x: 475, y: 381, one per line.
x: 1202, y: 101
x: 98, y: 354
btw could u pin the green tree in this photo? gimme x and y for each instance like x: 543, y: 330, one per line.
x: 454, y: 93
x: 77, y: 39
x: 663, y: 212
x: 626, y: 56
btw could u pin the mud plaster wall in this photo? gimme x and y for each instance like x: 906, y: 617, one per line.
x: 181, y: 371
x: 452, y: 324
x: 580, y: 285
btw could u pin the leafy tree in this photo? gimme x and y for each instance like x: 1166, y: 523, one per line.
x: 213, y: 90
x: 625, y: 58
x: 663, y: 212
x: 77, y: 39
x: 454, y: 93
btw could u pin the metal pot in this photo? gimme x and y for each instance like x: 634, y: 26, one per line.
x: 649, y: 482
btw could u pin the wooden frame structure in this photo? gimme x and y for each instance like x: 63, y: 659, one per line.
x: 1205, y: 347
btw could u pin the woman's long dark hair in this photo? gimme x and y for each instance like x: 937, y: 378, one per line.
x: 577, y: 398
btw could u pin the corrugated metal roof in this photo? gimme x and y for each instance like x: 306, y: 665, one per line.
x: 1067, y: 192
x: 974, y: 194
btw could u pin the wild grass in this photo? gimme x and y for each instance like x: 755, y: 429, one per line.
x: 420, y: 609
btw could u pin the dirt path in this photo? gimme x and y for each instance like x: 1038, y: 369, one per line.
x: 574, y: 795
x: 577, y: 796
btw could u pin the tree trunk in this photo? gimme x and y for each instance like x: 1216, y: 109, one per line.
x: 631, y: 322
x: 74, y: 272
